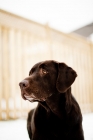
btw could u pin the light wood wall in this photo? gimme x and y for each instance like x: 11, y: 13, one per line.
x: 24, y: 43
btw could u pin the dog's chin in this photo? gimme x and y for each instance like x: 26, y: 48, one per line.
x: 28, y: 97
x: 31, y: 99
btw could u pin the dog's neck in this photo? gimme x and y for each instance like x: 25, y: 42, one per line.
x: 58, y: 103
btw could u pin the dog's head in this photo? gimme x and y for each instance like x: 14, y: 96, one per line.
x: 46, y: 78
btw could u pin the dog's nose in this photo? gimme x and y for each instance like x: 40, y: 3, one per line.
x: 24, y: 83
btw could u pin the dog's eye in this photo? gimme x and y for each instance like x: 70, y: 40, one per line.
x: 44, y: 71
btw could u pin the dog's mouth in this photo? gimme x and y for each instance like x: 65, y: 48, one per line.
x: 31, y: 97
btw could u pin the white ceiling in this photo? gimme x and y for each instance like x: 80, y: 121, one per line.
x: 63, y: 15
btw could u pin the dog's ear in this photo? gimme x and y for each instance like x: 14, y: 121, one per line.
x: 66, y: 76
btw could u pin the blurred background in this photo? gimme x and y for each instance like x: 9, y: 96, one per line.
x: 37, y: 30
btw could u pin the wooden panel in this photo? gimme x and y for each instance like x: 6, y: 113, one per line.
x: 21, y: 48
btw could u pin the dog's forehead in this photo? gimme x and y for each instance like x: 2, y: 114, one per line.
x: 36, y: 65
x: 47, y: 63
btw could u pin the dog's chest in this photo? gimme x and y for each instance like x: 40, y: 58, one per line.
x: 50, y: 124
x: 56, y: 126
x: 54, y: 121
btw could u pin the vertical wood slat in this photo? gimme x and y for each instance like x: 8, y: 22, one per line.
x: 19, y: 66
x: 12, y: 67
x: 12, y: 60
x: 5, y: 66
x: 88, y: 83
x: 0, y: 69
x: 25, y: 55
x: 91, y: 81
x: 91, y: 72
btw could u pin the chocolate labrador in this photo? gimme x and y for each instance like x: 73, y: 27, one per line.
x: 57, y: 115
